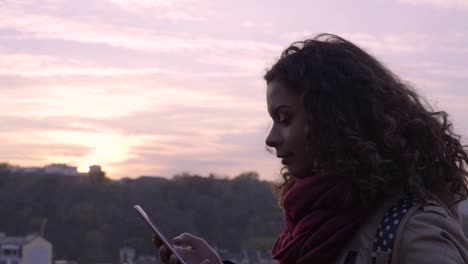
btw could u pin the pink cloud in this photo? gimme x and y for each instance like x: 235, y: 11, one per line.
x: 53, y: 27
x: 180, y: 10
x: 439, y: 3
x: 28, y: 65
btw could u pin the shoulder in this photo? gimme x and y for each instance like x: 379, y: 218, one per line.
x: 432, y: 234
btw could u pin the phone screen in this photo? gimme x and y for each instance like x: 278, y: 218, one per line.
x: 157, y: 232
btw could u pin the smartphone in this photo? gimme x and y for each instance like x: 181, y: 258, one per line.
x: 158, y: 233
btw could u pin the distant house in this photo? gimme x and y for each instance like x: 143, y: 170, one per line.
x: 32, y: 249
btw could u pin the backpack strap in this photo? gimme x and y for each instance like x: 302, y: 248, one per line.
x: 386, y: 240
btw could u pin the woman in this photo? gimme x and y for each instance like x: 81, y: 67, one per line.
x: 371, y: 173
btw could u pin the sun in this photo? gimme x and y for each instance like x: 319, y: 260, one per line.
x: 83, y: 168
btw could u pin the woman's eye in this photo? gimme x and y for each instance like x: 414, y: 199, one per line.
x: 283, y: 118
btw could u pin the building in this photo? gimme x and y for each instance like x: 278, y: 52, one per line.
x: 32, y: 249
x: 95, y: 169
x: 62, y: 169
x: 58, y: 169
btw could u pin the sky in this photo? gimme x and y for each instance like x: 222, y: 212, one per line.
x: 163, y: 87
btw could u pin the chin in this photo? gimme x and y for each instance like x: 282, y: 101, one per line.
x: 299, y: 174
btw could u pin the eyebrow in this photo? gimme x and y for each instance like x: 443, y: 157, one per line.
x: 278, y: 108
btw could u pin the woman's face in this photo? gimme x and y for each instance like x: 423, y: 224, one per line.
x: 287, y: 135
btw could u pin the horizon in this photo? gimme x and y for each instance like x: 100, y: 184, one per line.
x: 165, y: 87
x: 84, y: 173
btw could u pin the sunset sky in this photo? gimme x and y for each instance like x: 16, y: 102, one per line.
x: 160, y: 87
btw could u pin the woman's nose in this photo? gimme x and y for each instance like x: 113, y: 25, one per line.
x: 273, y: 139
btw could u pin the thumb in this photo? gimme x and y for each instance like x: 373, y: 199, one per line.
x: 187, y: 239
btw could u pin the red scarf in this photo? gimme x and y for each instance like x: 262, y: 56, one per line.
x: 319, y: 221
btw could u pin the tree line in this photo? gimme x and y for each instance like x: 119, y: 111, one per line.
x: 90, y: 218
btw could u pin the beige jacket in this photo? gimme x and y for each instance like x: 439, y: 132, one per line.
x: 431, y: 234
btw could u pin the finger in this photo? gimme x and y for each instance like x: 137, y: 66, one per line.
x: 157, y: 242
x: 173, y: 260
x: 187, y: 239
x: 184, y: 252
x: 164, y: 254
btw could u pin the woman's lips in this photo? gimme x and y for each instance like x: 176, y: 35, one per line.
x: 285, y: 160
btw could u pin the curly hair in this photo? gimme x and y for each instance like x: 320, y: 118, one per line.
x: 369, y: 126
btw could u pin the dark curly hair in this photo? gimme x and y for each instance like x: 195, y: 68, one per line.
x: 369, y: 126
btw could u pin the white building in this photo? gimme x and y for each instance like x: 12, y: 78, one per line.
x: 32, y: 249
x: 61, y: 169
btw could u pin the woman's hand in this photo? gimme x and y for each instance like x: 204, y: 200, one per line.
x: 192, y: 249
